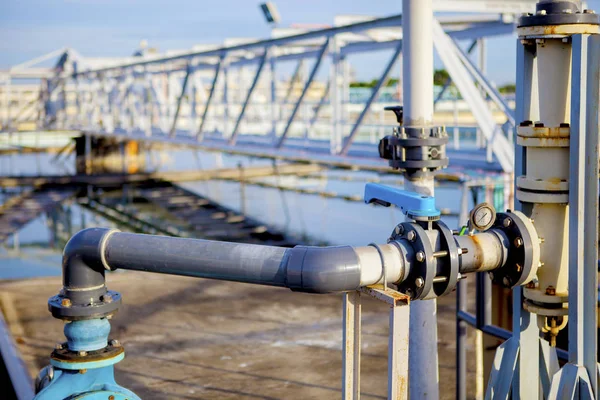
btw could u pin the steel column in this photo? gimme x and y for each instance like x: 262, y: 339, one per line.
x: 583, y: 206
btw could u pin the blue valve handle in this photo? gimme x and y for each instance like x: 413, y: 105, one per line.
x: 411, y: 203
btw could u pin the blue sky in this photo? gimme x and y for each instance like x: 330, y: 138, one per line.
x: 29, y: 28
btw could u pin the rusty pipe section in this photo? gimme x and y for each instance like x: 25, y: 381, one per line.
x: 485, y: 251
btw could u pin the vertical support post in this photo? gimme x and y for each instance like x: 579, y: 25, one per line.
x: 417, y: 88
x: 398, y: 353
x: 583, y: 205
x: 352, y: 345
x: 345, y: 88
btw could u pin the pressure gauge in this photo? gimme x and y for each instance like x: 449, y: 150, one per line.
x: 482, y: 216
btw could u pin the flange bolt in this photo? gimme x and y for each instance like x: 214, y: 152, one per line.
x: 419, y: 282
x: 411, y: 236
x: 66, y: 303
x: 420, y: 256
x: 518, y: 242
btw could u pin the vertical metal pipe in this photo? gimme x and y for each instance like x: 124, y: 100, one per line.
x: 525, y: 329
x: 417, y: 87
x: 461, y: 305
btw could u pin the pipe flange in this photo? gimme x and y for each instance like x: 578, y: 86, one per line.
x: 64, y: 358
x: 419, y: 282
x: 558, y: 13
x: 524, y: 251
x: 448, y: 265
x: 548, y: 310
x: 63, y: 308
x: 416, y: 148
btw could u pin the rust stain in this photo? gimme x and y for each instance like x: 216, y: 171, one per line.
x: 478, y: 255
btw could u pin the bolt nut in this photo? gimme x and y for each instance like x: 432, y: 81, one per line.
x: 507, y: 222
x: 412, y: 235
x: 551, y: 291
x: 66, y: 303
x: 491, y: 275
x: 82, y: 353
x: 420, y: 256
x: 530, y: 285
x: 589, y: 12
x: 107, y: 298
x: 58, y: 346
x: 518, y: 242
x: 506, y: 281
x: 115, y: 343
x: 419, y: 282
x: 541, y: 12
x: 399, y: 230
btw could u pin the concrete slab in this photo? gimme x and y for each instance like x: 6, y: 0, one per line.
x: 189, y: 338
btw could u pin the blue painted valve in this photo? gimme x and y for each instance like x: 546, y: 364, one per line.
x: 83, y: 367
x: 413, y: 205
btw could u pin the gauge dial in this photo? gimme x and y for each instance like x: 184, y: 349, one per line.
x: 483, y: 216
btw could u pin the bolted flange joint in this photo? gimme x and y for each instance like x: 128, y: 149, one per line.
x: 431, y: 273
x: 414, y: 149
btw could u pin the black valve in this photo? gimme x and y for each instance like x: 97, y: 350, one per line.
x: 398, y: 111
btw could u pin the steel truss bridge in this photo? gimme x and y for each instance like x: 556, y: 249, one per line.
x: 232, y: 98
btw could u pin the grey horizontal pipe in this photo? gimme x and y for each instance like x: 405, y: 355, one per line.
x: 309, y: 269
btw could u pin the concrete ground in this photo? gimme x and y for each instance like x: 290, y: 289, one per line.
x: 189, y: 338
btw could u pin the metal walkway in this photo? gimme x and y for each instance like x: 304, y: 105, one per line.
x: 20, y: 210
x: 209, y: 220
x: 238, y: 97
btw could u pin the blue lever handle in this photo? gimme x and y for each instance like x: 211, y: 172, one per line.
x: 412, y: 204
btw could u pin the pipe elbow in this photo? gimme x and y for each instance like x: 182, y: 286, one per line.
x: 323, y: 269
x: 84, y: 293
x: 83, y: 259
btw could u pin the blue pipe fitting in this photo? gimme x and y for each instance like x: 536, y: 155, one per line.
x: 83, y: 367
x: 87, y: 335
x: 93, y: 384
